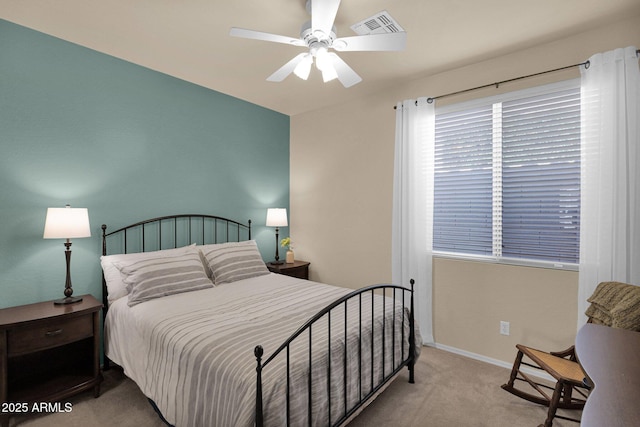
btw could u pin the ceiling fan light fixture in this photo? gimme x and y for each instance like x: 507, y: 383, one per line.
x: 329, y: 73
x: 322, y: 58
x: 303, y: 68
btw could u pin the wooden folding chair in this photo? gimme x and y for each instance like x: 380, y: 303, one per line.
x: 563, y: 367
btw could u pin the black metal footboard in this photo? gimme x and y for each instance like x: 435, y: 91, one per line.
x: 394, y: 297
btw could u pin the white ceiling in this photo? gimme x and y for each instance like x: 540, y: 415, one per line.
x: 189, y: 39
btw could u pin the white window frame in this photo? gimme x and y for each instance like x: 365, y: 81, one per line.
x: 497, y: 141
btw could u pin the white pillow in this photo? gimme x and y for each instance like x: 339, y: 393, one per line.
x: 233, y: 261
x: 152, y: 278
x: 116, y: 288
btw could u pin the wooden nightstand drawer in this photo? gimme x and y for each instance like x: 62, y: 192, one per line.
x: 301, y: 272
x: 41, y: 336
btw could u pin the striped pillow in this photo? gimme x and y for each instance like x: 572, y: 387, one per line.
x: 234, y: 261
x: 152, y: 278
x: 116, y: 288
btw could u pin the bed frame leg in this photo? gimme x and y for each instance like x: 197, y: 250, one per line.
x: 258, y: 352
x: 412, y: 338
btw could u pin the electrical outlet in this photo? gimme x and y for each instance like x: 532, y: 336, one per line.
x: 504, y: 328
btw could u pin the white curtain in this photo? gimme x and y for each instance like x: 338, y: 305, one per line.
x: 610, y: 181
x: 412, y: 228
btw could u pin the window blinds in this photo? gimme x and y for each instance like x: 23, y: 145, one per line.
x: 462, y: 216
x: 507, y: 179
x: 541, y: 177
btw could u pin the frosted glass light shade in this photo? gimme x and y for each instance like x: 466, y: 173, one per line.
x: 67, y: 223
x: 276, y: 217
x: 303, y: 68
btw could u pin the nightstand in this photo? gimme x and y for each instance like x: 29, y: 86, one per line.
x: 48, y: 353
x: 299, y: 269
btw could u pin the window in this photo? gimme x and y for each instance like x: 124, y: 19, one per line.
x: 507, y: 176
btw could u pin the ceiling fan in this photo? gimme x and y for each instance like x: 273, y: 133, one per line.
x: 319, y: 35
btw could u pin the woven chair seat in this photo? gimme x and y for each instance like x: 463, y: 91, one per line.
x: 557, y: 367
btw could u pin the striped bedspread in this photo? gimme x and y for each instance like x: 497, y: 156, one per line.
x: 192, y: 353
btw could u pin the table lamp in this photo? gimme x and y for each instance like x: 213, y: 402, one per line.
x: 67, y: 223
x: 277, y: 217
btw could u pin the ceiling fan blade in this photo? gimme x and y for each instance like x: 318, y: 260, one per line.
x: 287, y: 68
x: 323, y: 14
x: 346, y: 75
x: 259, y: 35
x: 371, y: 42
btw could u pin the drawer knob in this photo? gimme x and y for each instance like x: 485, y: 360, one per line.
x: 53, y: 333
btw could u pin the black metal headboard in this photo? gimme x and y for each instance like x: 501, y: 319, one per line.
x: 171, y: 232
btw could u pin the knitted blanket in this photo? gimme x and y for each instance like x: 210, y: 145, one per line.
x: 615, y: 304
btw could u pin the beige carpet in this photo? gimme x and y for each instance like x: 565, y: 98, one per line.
x: 450, y: 390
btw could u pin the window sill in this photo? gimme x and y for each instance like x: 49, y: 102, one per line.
x: 508, y: 261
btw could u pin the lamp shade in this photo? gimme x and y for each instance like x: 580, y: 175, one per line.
x: 276, y: 217
x: 67, y: 223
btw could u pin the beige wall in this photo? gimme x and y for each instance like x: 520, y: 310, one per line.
x: 471, y: 298
x: 341, y: 192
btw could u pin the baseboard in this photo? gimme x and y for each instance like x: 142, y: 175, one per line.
x: 529, y: 371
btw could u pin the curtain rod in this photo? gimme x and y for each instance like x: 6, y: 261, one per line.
x: 497, y: 84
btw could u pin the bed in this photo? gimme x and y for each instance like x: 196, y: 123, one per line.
x: 212, y: 338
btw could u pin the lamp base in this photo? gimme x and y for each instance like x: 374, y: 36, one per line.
x: 68, y: 300
x: 276, y: 262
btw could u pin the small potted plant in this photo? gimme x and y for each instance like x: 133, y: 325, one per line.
x: 286, y: 243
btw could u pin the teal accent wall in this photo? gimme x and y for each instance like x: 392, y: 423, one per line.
x: 128, y: 143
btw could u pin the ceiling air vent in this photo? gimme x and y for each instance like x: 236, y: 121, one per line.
x: 379, y: 23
